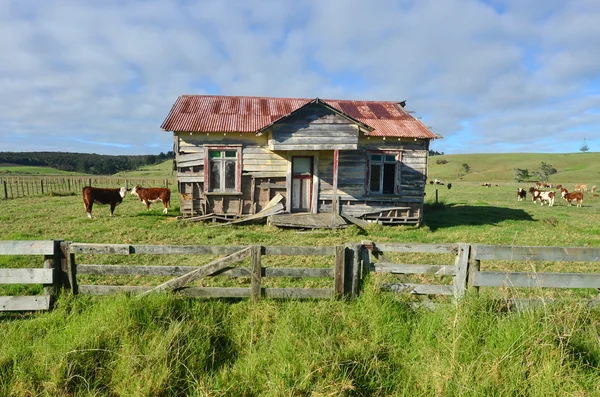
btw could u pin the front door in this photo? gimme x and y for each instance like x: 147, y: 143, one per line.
x: 302, y: 180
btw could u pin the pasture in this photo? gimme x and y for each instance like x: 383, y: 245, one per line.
x: 374, y: 345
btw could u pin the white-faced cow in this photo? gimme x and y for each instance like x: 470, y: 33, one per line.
x: 547, y: 197
x: 99, y: 195
x: 152, y: 195
x: 521, y: 194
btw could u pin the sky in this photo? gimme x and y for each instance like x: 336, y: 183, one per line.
x: 495, y: 76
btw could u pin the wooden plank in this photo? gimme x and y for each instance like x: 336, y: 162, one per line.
x: 298, y: 293
x: 296, y: 250
x: 154, y: 270
x: 326, y: 272
x: 205, y: 270
x: 419, y: 289
x: 356, y: 221
x: 255, y: 288
x: 20, y: 247
x: 439, y: 270
x: 339, y: 276
x: 26, y: 276
x: 537, y: 280
x: 529, y: 253
x: 199, y: 292
x: 425, y: 248
x: 87, y: 248
x: 311, y: 147
x: 24, y: 303
x: 462, y: 266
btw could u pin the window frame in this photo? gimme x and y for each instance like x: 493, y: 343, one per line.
x: 369, y: 163
x: 238, y: 168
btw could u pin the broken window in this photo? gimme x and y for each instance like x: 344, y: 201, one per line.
x: 382, y: 173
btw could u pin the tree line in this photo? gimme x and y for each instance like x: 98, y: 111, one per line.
x: 86, y: 163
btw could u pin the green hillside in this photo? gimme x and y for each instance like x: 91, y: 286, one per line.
x: 161, y: 170
x: 17, y: 170
x: 571, y: 167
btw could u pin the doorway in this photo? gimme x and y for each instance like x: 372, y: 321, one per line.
x: 302, y: 183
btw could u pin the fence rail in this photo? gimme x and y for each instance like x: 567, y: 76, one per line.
x: 349, y: 264
x: 12, y: 187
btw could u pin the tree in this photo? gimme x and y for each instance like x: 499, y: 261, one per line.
x: 584, y: 147
x: 463, y: 170
x: 545, y: 171
x: 522, y: 174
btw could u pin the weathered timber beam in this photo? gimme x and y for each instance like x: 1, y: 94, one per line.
x: 204, y: 271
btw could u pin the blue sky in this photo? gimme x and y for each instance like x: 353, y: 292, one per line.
x: 491, y: 76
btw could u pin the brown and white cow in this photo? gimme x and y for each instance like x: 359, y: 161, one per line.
x: 543, y: 196
x: 521, y: 194
x: 98, y: 195
x: 547, y: 197
x: 574, y: 196
x: 153, y: 195
x: 594, y: 189
x: 559, y: 187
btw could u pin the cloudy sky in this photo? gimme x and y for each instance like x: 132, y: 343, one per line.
x: 100, y: 76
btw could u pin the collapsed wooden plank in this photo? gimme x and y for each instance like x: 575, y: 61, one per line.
x: 203, y: 271
x: 273, y: 207
x: 358, y: 222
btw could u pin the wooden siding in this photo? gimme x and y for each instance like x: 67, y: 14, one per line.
x: 314, y: 128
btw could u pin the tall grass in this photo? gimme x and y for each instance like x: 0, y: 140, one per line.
x: 373, y: 346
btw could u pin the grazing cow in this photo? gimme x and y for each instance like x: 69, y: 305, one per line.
x: 487, y: 184
x: 521, y: 194
x: 594, y: 189
x: 100, y: 195
x: 539, y: 185
x: 574, y: 196
x: 577, y: 187
x: 583, y: 188
x: 450, y: 186
x: 152, y: 195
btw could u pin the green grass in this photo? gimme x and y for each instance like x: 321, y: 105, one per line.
x: 572, y: 168
x: 162, y: 170
x: 17, y: 170
x: 374, y: 345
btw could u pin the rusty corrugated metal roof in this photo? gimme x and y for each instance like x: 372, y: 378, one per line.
x: 214, y: 113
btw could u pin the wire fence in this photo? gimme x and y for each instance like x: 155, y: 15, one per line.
x: 12, y: 187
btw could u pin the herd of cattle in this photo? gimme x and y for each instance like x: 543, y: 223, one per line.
x: 547, y: 197
x: 114, y: 197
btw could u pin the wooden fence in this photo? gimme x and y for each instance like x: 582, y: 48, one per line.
x: 24, y: 186
x: 350, y: 263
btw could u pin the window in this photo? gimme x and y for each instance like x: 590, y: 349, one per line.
x: 223, y: 169
x: 382, y: 172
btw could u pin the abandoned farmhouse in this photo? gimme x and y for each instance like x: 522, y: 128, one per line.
x: 361, y: 159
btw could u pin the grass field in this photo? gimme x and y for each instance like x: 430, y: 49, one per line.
x: 14, y: 170
x: 374, y: 345
x: 572, y: 167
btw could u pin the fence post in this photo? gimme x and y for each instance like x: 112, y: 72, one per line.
x: 255, y: 288
x: 352, y: 269
x: 89, y: 181
x: 42, y: 185
x: 53, y: 262
x: 474, y: 266
x: 339, y: 272
x: 69, y: 268
x: 462, y: 268
x: 5, y: 190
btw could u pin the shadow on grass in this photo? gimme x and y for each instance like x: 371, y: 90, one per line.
x: 438, y: 216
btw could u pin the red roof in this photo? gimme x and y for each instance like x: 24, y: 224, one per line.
x: 214, y: 113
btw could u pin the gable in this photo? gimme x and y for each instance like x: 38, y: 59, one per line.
x: 314, y: 127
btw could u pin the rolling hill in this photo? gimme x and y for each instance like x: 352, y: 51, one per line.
x: 571, y: 167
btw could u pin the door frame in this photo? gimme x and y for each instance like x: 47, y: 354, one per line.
x: 315, y: 182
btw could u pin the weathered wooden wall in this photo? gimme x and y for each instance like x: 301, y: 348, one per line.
x: 314, y: 127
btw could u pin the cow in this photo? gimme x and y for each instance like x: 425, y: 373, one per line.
x: 574, y: 196
x: 535, y: 194
x: 99, y: 195
x: 152, y: 195
x: 547, y: 197
x: 521, y: 194
x: 449, y: 186
x: 486, y: 184
x: 583, y: 188
x: 559, y: 187
x: 594, y: 189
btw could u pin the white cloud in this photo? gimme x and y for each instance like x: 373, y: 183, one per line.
x: 501, y: 75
